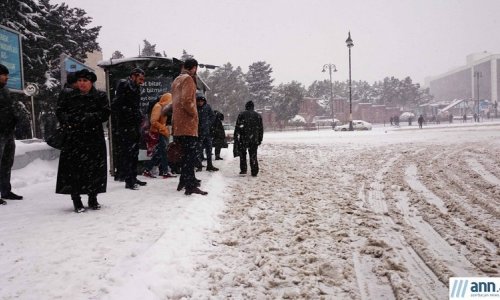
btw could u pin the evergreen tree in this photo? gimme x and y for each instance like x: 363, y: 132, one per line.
x: 286, y: 100
x: 260, y: 83
x: 117, y: 54
x: 48, y: 31
x: 148, y: 49
x: 229, y: 92
x: 185, y: 55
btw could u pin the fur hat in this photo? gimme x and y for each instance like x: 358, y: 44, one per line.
x: 3, y: 70
x: 84, y: 73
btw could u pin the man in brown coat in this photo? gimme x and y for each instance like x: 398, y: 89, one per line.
x: 185, y: 124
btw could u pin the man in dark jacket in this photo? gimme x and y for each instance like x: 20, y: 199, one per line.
x: 248, y: 134
x: 127, y: 120
x: 8, y: 120
x: 205, y: 119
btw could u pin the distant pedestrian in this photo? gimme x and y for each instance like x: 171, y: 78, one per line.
x: 450, y: 118
x: 391, y: 119
x: 218, y: 134
x: 420, y: 121
x: 8, y: 120
x: 476, y: 117
x: 185, y: 124
x: 410, y: 119
x: 82, y: 162
x: 464, y: 118
x: 248, y: 134
x: 127, y: 119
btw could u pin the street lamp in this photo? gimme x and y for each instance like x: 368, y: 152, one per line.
x: 477, y: 75
x: 350, y: 44
x: 331, y: 68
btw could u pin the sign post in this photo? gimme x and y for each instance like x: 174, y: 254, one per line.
x: 32, y: 90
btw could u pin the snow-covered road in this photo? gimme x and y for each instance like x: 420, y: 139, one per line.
x: 385, y: 214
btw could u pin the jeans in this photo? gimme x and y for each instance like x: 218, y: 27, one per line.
x: 7, y: 151
x: 205, y: 143
x: 159, y: 156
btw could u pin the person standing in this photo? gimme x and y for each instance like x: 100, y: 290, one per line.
x: 158, y: 126
x: 127, y: 122
x: 218, y: 134
x: 206, y: 118
x: 420, y: 121
x: 82, y: 163
x: 185, y: 124
x: 248, y: 134
x: 8, y: 120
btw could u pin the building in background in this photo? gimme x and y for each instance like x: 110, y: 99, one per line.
x: 476, y: 83
x: 92, y: 59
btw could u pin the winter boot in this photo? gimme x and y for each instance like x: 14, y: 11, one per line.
x: 93, y: 204
x: 194, y: 190
x: 77, y: 203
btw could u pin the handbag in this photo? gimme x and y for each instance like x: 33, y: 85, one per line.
x: 175, y: 153
x: 57, y: 139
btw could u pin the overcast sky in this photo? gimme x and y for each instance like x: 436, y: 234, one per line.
x: 400, y: 38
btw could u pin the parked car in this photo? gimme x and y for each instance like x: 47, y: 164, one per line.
x: 229, y: 130
x: 356, y: 125
x: 325, y: 121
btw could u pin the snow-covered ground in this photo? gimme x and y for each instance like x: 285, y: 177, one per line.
x: 385, y: 214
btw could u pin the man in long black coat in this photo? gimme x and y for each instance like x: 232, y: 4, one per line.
x: 248, y: 134
x: 8, y: 120
x: 127, y: 119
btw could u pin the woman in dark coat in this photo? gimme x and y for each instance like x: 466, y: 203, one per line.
x: 83, y: 162
x: 218, y: 134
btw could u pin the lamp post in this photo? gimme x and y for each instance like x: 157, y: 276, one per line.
x: 331, y: 68
x: 350, y: 44
x: 477, y: 75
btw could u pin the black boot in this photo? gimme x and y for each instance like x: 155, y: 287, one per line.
x: 93, y: 204
x: 77, y: 203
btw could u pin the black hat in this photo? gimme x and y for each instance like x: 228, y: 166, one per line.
x: 3, y: 70
x: 249, y: 105
x: 137, y: 71
x: 84, y: 73
x: 200, y: 96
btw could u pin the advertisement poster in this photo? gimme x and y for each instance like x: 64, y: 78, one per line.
x: 11, y: 56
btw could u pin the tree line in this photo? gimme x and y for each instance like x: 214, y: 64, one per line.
x: 49, y: 30
x: 231, y: 88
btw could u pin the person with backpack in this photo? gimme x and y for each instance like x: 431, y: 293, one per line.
x: 159, y: 130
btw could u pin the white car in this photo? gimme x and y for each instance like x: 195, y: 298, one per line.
x: 356, y: 125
